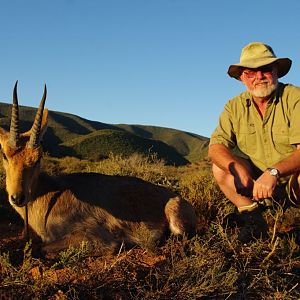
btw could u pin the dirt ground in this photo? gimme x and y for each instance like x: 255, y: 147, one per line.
x: 11, y: 230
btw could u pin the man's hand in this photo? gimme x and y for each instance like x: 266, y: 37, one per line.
x: 239, y: 168
x: 243, y: 180
x: 264, y: 186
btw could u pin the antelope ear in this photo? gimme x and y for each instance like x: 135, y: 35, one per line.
x: 2, y: 132
x: 44, y: 125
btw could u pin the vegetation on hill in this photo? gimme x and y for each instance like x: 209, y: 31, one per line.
x: 101, y: 143
x: 191, y: 146
x: 72, y: 135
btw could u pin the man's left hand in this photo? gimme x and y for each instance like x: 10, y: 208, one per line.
x: 264, y: 186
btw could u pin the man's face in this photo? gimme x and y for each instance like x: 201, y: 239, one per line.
x: 261, y: 82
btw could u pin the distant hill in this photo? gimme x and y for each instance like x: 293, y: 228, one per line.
x: 72, y: 135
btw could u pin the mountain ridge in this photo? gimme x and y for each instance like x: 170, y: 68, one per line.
x: 72, y: 135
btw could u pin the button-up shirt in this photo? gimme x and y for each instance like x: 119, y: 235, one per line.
x: 265, y: 141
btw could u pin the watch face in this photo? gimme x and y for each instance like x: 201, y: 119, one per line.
x: 273, y: 172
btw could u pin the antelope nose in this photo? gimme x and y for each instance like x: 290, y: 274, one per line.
x: 18, y: 199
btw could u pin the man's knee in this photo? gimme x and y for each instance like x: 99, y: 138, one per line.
x: 219, y: 174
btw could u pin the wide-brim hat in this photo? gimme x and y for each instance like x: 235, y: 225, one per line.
x: 256, y: 55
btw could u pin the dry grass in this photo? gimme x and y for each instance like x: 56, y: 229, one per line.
x: 212, y: 265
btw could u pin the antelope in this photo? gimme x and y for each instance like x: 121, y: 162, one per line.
x: 103, y: 210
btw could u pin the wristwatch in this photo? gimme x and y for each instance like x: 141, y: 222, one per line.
x: 273, y: 172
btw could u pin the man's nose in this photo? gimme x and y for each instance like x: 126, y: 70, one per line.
x: 259, y: 74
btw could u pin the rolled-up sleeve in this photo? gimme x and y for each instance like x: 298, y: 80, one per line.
x: 294, y: 130
x: 224, y: 133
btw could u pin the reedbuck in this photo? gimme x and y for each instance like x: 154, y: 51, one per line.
x: 63, y: 211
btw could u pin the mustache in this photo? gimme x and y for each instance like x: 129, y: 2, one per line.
x: 257, y: 82
x: 263, y: 90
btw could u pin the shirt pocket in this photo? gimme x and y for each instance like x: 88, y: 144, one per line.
x: 280, y: 136
x: 247, y: 139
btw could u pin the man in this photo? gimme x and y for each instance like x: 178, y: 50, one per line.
x: 255, y: 149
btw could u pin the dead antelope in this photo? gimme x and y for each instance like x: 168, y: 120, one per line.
x: 104, y: 210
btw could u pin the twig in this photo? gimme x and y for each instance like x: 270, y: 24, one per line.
x: 272, y: 251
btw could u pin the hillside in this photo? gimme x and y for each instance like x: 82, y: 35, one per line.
x: 72, y: 135
x: 189, y: 145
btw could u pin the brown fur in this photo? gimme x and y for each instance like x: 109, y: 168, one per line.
x: 104, y: 210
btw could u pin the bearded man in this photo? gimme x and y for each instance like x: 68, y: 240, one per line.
x: 255, y: 149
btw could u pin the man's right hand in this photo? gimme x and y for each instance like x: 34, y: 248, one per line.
x: 242, y: 180
x: 238, y: 167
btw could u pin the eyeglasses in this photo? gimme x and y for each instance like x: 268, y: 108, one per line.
x: 252, y: 73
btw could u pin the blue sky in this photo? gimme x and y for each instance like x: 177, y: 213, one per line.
x: 152, y: 62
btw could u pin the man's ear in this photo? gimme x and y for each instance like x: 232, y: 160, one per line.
x: 241, y: 78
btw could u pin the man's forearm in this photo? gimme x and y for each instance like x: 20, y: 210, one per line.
x: 289, y: 165
x: 222, y: 157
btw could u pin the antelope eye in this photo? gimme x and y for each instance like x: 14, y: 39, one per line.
x: 4, y: 156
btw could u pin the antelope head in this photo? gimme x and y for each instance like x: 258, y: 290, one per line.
x: 22, y: 152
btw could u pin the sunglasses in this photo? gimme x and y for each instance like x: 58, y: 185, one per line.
x: 252, y: 73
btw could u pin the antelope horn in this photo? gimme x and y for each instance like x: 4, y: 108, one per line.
x: 36, y: 127
x: 14, y: 123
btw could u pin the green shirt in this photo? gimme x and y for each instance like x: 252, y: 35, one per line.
x: 265, y: 141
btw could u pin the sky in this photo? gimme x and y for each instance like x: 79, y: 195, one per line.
x: 148, y: 62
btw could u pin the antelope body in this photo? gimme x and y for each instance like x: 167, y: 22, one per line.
x: 104, y: 210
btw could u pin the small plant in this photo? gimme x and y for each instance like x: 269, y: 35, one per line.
x: 193, y: 270
x: 146, y: 238
x: 16, y: 280
x: 72, y: 257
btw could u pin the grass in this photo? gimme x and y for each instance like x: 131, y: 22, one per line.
x: 212, y: 265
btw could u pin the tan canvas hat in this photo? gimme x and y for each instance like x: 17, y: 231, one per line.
x: 256, y: 55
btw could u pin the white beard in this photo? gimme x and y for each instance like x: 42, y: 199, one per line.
x: 264, y: 90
